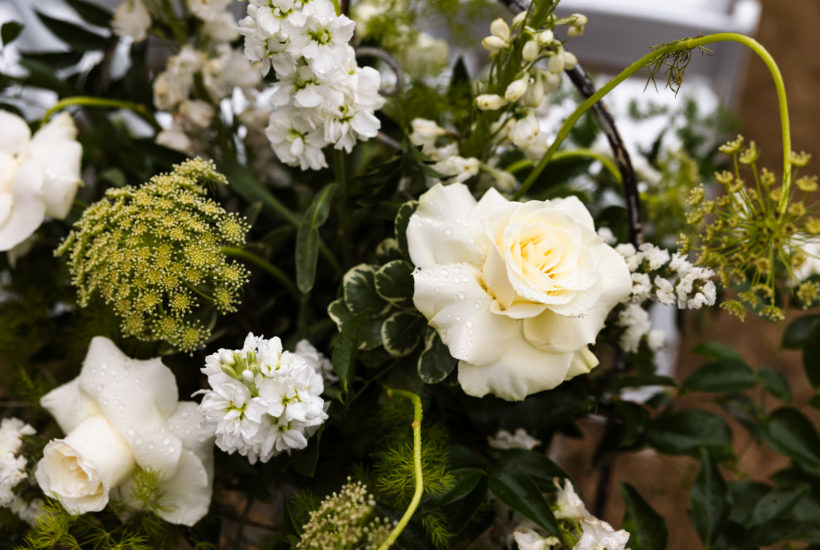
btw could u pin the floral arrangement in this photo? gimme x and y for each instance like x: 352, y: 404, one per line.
x: 300, y: 263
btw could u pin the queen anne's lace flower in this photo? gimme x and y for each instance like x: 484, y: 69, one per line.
x: 322, y: 97
x: 12, y: 466
x: 263, y: 400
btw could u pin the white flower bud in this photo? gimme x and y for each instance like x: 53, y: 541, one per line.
x: 550, y: 82
x: 572, y: 32
x: 569, y: 60
x: 530, y: 51
x: 519, y: 18
x: 534, y: 95
x: 579, y: 19
x: 544, y: 38
x: 556, y: 63
x: 500, y: 29
x: 490, y: 102
x: 516, y: 89
x: 493, y: 43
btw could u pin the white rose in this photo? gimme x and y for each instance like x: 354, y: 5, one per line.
x: 517, y: 291
x: 39, y: 176
x: 120, y: 413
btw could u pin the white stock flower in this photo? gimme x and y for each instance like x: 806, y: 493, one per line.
x: 599, y: 535
x: 208, y: 10
x: 222, y: 28
x: 132, y: 19
x: 529, y: 539
x: 175, y: 138
x: 12, y: 466
x: 635, y: 320
x: 39, y: 175
x: 295, y: 142
x: 520, y: 440
x: 568, y: 504
x: 316, y: 360
x: 517, y: 291
x: 263, y: 401
x: 323, y: 41
x: 460, y: 168
x: 120, y: 413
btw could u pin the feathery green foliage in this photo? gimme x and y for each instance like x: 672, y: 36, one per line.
x: 153, y: 253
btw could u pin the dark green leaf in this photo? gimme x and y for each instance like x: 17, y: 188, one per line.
x: 710, y: 505
x: 515, y: 489
x: 534, y: 464
x: 811, y: 360
x: 344, y: 352
x: 743, y: 496
x: 387, y: 251
x: 359, y: 288
x: 91, y: 13
x: 685, y: 432
x: 777, y: 503
x: 638, y: 380
x: 464, y: 481
x: 304, y: 461
x: 41, y: 75
x: 9, y: 31
x: 243, y: 180
x: 647, y: 529
x: 775, y: 383
x: 435, y: 362
x: 400, y: 224
x: 370, y: 335
x: 394, y: 283
x: 801, y: 331
x: 401, y: 332
x: 815, y: 402
x: 721, y: 376
x: 307, y: 237
x: 788, y: 431
x: 718, y: 351
x: 76, y: 37
x: 633, y: 419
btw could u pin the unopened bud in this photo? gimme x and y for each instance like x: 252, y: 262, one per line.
x: 493, y: 43
x: 530, y: 51
x: 490, y: 102
x: 569, y: 60
x: 518, y: 19
x: 551, y: 82
x: 556, y: 63
x: 534, y: 95
x: 516, y: 89
x: 544, y: 38
x: 500, y: 29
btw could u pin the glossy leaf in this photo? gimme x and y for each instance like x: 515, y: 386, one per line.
x: 307, y: 237
x: 394, y: 283
x: 9, y: 31
x: 718, y: 351
x: 344, y: 352
x: 647, y: 528
x: 710, y: 505
x: 801, y: 331
x: 91, y: 13
x: 811, y: 361
x: 777, y: 503
x: 76, y: 37
x: 400, y: 225
x: 686, y: 432
x: 518, y: 491
x: 788, y: 431
x: 775, y: 383
x: 370, y: 334
x: 435, y: 362
x: 359, y: 287
x: 534, y: 464
x: 401, y: 332
x: 721, y: 376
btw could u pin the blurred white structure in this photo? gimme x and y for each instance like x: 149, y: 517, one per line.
x: 621, y: 31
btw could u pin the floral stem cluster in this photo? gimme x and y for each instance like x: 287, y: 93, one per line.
x: 154, y: 254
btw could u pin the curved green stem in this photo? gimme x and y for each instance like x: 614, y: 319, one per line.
x: 660, y: 53
x: 88, y: 101
x: 419, y: 480
x: 608, y: 163
x: 274, y: 271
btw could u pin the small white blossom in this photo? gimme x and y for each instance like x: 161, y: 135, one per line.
x: 131, y: 19
x: 635, y: 320
x: 263, y: 401
x: 316, y: 360
x: 530, y: 539
x: 494, y: 43
x: 12, y: 466
x: 425, y: 133
x: 461, y: 168
x: 208, y: 10
x: 599, y: 535
x: 500, y: 29
x: 222, y: 28
x: 489, y: 102
x: 568, y: 504
x: 656, y: 339
x: 520, y: 440
x: 516, y: 89
x: 641, y: 287
x: 664, y: 291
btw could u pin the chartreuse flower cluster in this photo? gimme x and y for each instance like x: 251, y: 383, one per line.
x: 754, y: 234
x: 345, y: 520
x: 154, y: 254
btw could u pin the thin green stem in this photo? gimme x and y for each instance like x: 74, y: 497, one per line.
x: 88, y: 101
x: 608, y: 163
x: 274, y: 271
x: 417, y: 472
x: 340, y: 173
x: 179, y: 33
x: 660, y: 53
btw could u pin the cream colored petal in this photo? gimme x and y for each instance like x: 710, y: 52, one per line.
x: 27, y: 210
x: 438, y: 231
x: 455, y: 304
x: 15, y: 135
x: 489, y: 217
x: 69, y: 405
x: 188, y: 493
x: 522, y: 370
x: 573, y: 206
x: 60, y: 161
x: 60, y: 127
x: 196, y: 436
x: 582, y: 363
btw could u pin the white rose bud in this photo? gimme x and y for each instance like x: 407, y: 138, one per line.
x: 493, y: 43
x: 516, y: 89
x: 544, y: 38
x: 500, y: 29
x: 530, y: 51
x: 490, y: 102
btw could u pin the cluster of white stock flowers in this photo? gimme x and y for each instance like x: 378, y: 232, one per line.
x: 121, y: 415
x: 39, y: 175
x: 594, y: 534
x: 12, y: 465
x: 516, y: 291
x: 264, y: 400
x: 322, y: 96
x: 663, y: 278
x: 527, y: 91
x: 133, y: 19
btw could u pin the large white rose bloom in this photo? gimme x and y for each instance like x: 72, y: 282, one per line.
x: 120, y: 413
x: 39, y: 175
x: 517, y: 291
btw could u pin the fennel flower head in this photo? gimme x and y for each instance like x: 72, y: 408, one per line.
x: 154, y: 253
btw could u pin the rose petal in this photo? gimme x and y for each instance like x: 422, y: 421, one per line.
x: 521, y: 370
x: 60, y: 162
x: 15, y: 137
x: 187, y: 495
x: 28, y: 208
x: 558, y: 333
x: 573, y: 206
x: 457, y: 306
x: 196, y: 436
x: 438, y: 231
x: 69, y: 405
x: 582, y: 363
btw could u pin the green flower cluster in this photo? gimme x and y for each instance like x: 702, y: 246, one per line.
x: 155, y: 254
x: 752, y: 236
x: 345, y: 520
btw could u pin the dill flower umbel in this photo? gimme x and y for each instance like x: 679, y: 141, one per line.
x: 345, y: 520
x: 154, y: 254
